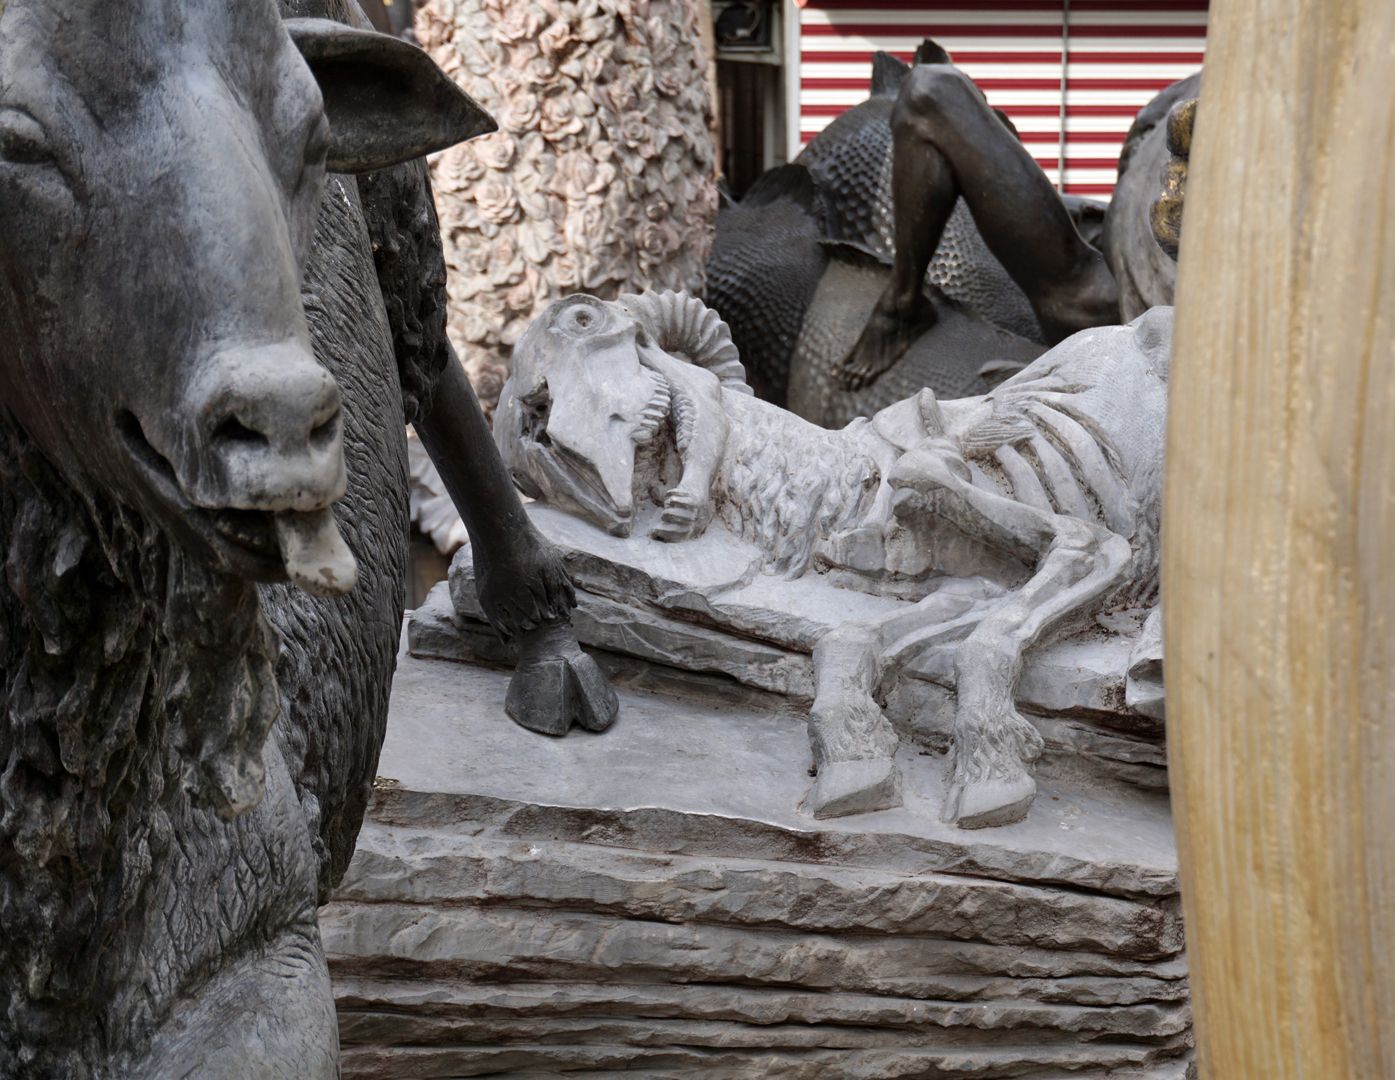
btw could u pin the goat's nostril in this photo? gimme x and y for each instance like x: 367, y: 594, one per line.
x: 322, y: 437
x: 234, y: 431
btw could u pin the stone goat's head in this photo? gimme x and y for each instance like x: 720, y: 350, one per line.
x: 161, y: 165
x: 607, y: 398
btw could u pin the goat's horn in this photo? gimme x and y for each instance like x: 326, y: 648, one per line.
x: 683, y: 324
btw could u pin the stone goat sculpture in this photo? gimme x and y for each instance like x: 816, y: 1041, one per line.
x: 1001, y: 518
x: 195, y: 364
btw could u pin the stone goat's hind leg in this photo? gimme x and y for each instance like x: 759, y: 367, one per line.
x: 854, y: 744
x: 989, y: 783
x: 523, y: 586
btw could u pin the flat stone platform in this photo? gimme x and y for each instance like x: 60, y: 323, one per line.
x: 651, y: 901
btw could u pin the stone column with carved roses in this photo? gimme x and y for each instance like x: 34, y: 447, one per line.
x: 601, y: 175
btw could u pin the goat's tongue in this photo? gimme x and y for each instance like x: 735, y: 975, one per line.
x: 315, y: 555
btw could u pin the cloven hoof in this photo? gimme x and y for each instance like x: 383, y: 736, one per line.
x: 991, y: 801
x: 556, y: 685
x: 855, y: 787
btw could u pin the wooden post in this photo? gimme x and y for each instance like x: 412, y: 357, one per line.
x: 1279, y: 543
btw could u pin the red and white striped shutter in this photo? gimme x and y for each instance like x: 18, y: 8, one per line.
x: 1119, y: 55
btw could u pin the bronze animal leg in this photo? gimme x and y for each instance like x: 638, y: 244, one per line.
x: 924, y: 192
x: 949, y: 142
x: 523, y: 587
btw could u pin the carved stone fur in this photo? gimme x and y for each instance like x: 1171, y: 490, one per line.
x: 1006, y: 517
x: 786, y: 485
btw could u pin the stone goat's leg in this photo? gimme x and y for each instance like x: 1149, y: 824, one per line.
x: 258, y: 1003
x: 700, y: 420
x: 523, y: 586
x: 269, y: 1013
x: 988, y: 780
x: 854, y: 744
x: 1076, y: 561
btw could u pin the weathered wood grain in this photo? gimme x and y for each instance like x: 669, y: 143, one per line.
x: 1279, y: 568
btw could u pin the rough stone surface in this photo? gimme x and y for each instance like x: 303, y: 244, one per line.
x: 654, y: 903
x: 1072, y: 691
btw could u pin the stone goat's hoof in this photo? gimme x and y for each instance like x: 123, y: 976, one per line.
x: 855, y: 787
x: 1003, y: 797
x: 556, y: 685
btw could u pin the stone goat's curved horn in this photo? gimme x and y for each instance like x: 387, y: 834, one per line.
x: 683, y: 325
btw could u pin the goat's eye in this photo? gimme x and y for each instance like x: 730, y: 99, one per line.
x: 581, y: 319
x: 22, y: 139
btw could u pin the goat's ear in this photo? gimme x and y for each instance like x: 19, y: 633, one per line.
x: 386, y: 100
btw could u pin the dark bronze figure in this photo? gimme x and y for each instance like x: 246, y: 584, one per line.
x: 208, y: 352
x: 799, y: 263
x: 950, y: 144
x: 868, y: 268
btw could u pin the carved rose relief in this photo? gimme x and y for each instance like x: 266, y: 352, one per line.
x: 600, y: 176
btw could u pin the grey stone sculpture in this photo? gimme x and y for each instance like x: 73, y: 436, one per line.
x: 196, y: 365
x: 674, y: 900
x: 998, y: 521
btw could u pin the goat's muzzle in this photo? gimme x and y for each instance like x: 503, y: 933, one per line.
x: 253, y: 463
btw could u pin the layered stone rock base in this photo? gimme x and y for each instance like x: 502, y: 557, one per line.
x: 652, y: 902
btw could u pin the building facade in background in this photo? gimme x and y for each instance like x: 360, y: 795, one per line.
x: 1082, y: 66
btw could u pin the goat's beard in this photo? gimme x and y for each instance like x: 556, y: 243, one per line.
x: 128, y: 657
x: 137, y: 690
x: 224, y: 698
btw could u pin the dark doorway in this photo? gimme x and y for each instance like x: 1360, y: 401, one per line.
x: 750, y: 101
x: 390, y: 16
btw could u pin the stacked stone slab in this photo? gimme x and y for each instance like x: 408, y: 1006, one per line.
x: 702, y: 607
x: 653, y: 902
